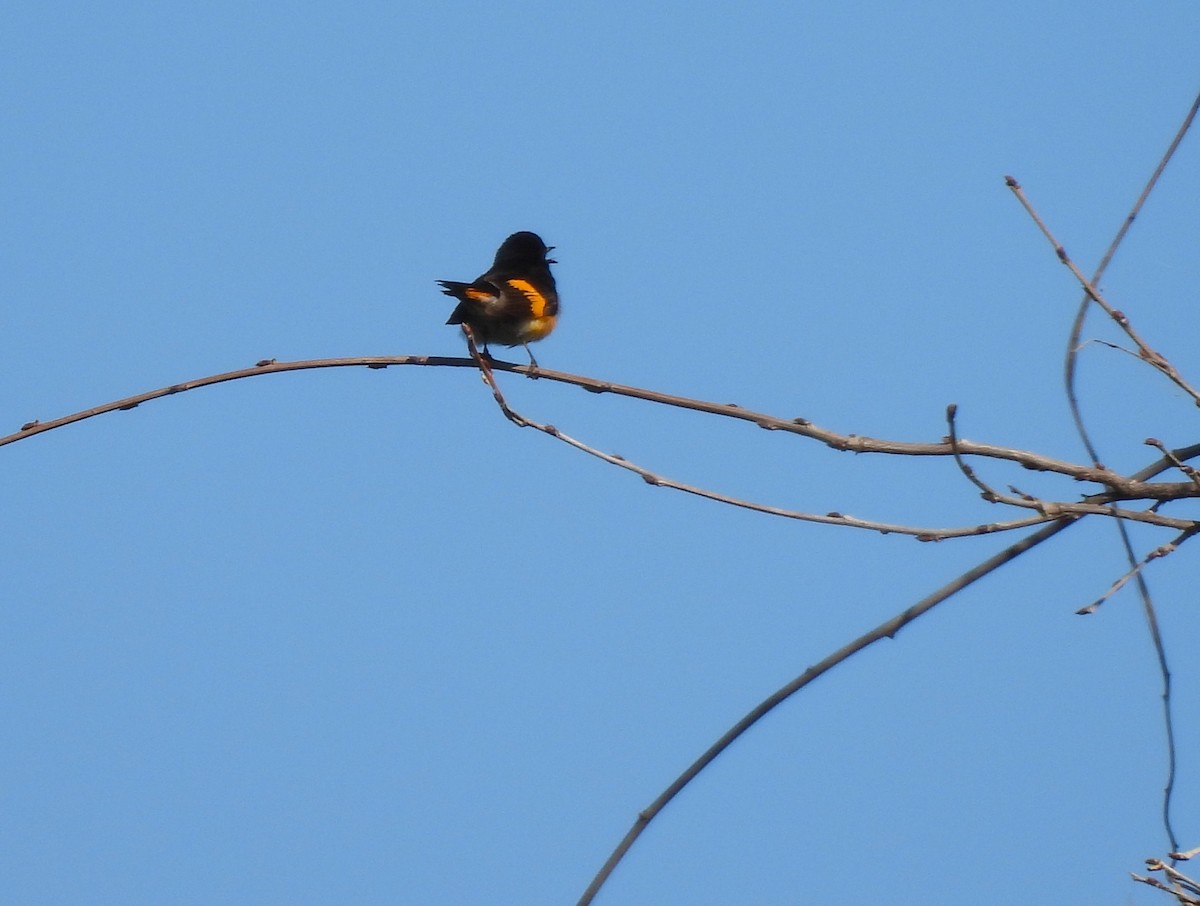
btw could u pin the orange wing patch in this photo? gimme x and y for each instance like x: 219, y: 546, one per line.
x: 537, y: 302
x: 478, y: 295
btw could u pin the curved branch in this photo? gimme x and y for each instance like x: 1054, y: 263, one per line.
x: 1122, y: 488
x: 660, y: 481
x: 884, y: 630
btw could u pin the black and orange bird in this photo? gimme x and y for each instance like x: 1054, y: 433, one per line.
x: 515, y: 302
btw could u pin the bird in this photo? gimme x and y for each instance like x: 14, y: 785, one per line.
x: 515, y: 302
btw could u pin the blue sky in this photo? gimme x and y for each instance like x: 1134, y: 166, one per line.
x: 349, y: 636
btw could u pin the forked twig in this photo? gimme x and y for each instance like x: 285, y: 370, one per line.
x: 1148, y: 355
x: 661, y: 481
x: 1190, y: 471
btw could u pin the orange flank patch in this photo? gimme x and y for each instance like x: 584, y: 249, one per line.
x: 477, y: 294
x: 539, y: 328
x: 537, y: 302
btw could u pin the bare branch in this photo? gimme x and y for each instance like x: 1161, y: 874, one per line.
x: 1121, y: 488
x: 1147, y: 354
x: 885, y: 630
x: 1092, y: 506
x: 660, y: 481
x: 988, y: 493
x: 1136, y: 570
x: 1187, y: 470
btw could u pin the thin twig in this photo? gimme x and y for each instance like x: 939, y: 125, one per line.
x: 1164, y: 670
x: 1187, y: 470
x: 1148, y: 355
x: 988, y: 492
x: 1136, y: 570
x: 885, y: 630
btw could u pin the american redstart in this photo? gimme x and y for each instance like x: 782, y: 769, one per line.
x: 515, y: 302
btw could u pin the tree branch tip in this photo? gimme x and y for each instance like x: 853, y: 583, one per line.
x: 1011, y: 183
x: 951, y: 410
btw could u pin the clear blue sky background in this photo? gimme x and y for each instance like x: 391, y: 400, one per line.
x: 350, y: 637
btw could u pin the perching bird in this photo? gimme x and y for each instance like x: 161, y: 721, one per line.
x: 515, y: 302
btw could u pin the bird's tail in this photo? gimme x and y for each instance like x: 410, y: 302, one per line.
x: 454, y: 288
